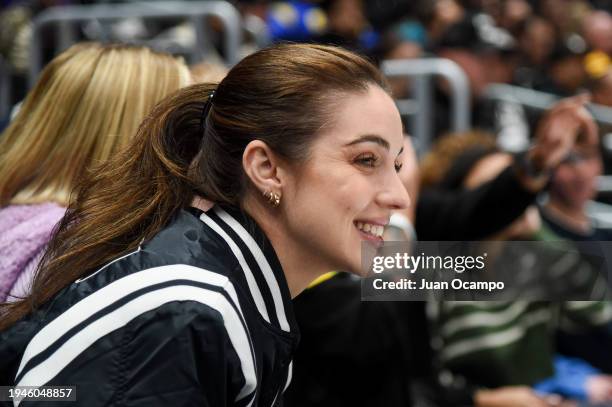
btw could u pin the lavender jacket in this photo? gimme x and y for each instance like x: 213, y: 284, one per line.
x: 25, y: 231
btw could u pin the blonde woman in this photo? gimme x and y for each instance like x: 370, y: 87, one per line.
x: 86, y: 104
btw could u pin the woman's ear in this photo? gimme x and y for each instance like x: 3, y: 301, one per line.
x: 261, y: 165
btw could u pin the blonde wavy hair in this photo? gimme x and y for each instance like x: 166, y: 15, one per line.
x: 85, y: 106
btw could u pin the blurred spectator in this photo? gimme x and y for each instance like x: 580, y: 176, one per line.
x: 487, y: 54
x: 557, y: 132
x: 88, y: 101
x: 444, y: 15
x: 573, y: 185
x: 514, y: 14
x: 537, y: 41
x: 346, y: 18
x: 566, y: 73
x: 471, y: 332
x: 558, y: 12
x: 445, y: 214
x: 348, y: 26
x: 597, y: 29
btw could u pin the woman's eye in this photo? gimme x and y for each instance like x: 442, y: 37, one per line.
x: 398, y: 166
x: 368, y: 160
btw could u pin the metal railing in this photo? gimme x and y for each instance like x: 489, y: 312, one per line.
x: 66, y: 17
x: 420, y: 72
x: 537, y: 100
x: 5, y: 88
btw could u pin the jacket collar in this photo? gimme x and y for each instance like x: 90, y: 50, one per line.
x: 264, y: 275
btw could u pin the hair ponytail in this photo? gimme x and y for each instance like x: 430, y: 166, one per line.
x: 125, y: 200
x: 283, y: 95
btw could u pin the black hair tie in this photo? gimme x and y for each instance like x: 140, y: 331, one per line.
x: 206, y: 110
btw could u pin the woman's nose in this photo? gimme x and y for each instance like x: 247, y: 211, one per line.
x: 395, y: 195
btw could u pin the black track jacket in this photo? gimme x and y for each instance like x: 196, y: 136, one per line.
x: 201, y: 315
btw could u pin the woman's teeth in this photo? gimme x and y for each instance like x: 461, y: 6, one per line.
x: 371, y: 229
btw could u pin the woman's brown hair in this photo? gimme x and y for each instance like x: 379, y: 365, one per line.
x: 283, y: 95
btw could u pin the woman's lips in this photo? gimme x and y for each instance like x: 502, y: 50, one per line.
x: 370, y: 232
x: 370, y: 227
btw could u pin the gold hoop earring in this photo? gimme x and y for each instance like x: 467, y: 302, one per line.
x: 273, y: 198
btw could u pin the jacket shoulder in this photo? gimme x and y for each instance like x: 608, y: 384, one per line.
x: 160, y: 331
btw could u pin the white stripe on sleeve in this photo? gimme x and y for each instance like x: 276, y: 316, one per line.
x: 72, y: 348
x: 113, y: 292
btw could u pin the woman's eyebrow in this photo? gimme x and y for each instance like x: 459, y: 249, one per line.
x: 370, y: 138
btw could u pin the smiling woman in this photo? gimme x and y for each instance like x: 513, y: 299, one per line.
x: 295, y: 154
x: 345, y: 192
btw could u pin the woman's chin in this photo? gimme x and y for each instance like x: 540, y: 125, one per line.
x: 366, y: 252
